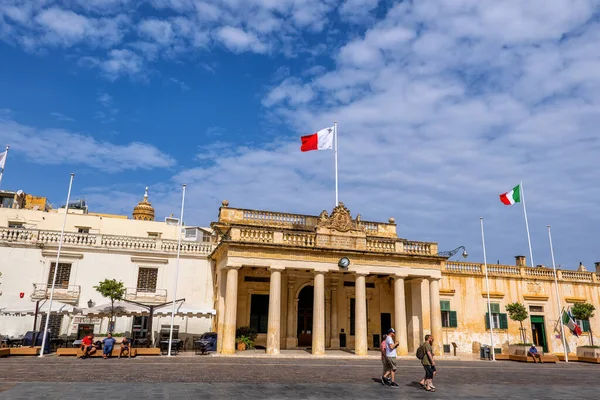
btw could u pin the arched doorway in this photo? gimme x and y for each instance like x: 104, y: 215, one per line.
x: 305, y: 316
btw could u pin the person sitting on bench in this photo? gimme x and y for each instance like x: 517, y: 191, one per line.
x: 87, y: 345
x: 107, y: 346
x: 534, y: 353
x: 125, y: 346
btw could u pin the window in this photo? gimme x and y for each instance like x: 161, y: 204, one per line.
x: 147, y: 278
x: 449, y: 318
x: 6, y: 202
x: 353, y: 284
x: 63, y: 274
x: 584, y: 325
x: 17, y: 225
x: 499, y: 320
x: 259, y: 312
x: 257, y: 279
x: 536, y: 309
x: 154, y: 235
x: 83, y: 229
x: 54, y: 324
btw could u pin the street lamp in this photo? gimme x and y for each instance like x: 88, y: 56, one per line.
x: 450, y: 253
x: 90, y: 303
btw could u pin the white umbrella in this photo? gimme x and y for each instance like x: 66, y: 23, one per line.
x: 185, y: 310
x: 57, y: 308
x: 121, y: 308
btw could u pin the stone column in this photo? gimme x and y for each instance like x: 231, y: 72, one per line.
x: 360, y: 314
x: 318, y: 328
x: 400, y: 316
x: 335, y: 339
x: 291, y: 339
x: 436, y: 315
x: 220, y: 309
x: 229, y: 323
x: 415, y: 329
x: 327, y: 316
x: 274, y: 327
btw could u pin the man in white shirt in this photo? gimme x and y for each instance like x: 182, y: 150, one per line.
x: 390, y: 355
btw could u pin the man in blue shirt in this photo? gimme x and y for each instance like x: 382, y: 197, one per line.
x: 107, y: 346
x: 534, y: 353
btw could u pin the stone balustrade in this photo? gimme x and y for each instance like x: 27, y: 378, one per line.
x: 92, y: 240
x: 384, y: 245
x: 300, y: 239
x: 411, y: 247
x: 457, y: 267
x: 255, y: 235
x: 64, y: 293
x: 157, y: 296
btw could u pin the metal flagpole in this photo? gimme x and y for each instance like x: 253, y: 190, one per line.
x: 179, y: 225
x: 60, y: 243
x: 3, y: 164
x: 487, y: 288
x: 560, y: 317
x: 335, y: 152
x: 526, y: 224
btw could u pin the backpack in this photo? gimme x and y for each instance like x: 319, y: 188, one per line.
x: 420, y: 352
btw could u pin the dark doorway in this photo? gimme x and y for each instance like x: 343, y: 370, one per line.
x: 386, y: 323
x: 305, y: 316
x: 538, y: 331
x: 259, y: 312
x: 140, y: 327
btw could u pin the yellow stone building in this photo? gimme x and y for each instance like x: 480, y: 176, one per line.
x: 336, y: 282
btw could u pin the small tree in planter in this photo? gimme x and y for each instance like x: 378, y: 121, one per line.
x: 583, y: 312
x: 245, y: 337
x: 113, y: 290
x: 518, y: 312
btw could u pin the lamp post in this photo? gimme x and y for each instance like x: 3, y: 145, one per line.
x: 450, y: 253
x: 90, y: 303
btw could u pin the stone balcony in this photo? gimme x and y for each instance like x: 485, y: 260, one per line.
x: 64, y: 293
x: 146, y: 296
x: 38, y: 237
x: 511, y: 271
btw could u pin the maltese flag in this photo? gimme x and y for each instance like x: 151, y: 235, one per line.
x: 322, y: 140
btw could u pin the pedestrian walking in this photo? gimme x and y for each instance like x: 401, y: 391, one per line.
x: 390, y: 359
x: 425, y: 353
x: 386, y: 374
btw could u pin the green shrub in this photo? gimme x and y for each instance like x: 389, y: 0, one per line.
x: 246, y: 331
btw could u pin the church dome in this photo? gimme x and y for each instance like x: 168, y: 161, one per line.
x: 144, y: 210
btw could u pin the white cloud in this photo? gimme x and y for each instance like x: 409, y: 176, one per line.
x: 120, y: 62
x: 61, y: 117
x: 290, y: 91
x: 238, y: 40
x: 157, y: 30
x: 59, y: 146
x: 357, y: 10
x: 182, y: 85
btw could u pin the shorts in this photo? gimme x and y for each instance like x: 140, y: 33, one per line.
x: 389, y: 364
x: 428, y: 371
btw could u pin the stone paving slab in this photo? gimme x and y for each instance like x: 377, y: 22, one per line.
x: 260, y: 378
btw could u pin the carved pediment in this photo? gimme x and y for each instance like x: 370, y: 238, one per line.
x: 340, y: 220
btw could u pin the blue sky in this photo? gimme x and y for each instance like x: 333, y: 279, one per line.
x: 441, y: 106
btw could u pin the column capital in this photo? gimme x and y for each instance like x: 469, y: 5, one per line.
x: 433, y: 278
x: 275, y: 268
x: 360, y: 273
x: 232, y: 267
x: 319, y: 272
x: 399, y: 276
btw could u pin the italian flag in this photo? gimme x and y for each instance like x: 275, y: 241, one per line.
x: 322, y: 140
x: 512, y: 197
x: 568, y: 320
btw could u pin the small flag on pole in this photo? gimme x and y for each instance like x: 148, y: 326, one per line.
x: 3, y: 160
x: 512, y: 197
x: 570, y: 323
x: 322, y: 140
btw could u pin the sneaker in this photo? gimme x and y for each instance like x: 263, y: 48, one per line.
x: 394, y: 384
x: 383, y: 380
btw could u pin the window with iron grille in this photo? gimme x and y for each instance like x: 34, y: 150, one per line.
x: 54, y: 324
x: 63, y: 274
x: 147, y: 278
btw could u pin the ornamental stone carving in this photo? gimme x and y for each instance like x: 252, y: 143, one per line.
x: 340, y: 220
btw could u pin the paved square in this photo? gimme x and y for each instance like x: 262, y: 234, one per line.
x: 195, y: 377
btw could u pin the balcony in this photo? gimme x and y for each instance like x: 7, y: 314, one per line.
x: 146, y: 296
x: 64, y: 293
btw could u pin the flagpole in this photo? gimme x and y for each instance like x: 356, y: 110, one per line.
x: 526, y: 224
x: 179, y: 225
x: 487, y: 288
x: 560, y: 317
x: 60, y: 243
x: 2, y: 171
x: 335, y: 152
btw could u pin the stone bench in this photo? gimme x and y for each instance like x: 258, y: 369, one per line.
x: 4, y: 352
x: 589, y: 357
x: 76, y: 351
x: 520, y: 355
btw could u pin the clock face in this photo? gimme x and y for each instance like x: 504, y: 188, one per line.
x: 344, y: 262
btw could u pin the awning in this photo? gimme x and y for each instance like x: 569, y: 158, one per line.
x: 57, y: 308
x: 185, y: 310
x: 122, y: 309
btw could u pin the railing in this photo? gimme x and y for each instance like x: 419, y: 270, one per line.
x: 146, y: 295
x: 17, y: 234
x: 46, y: 237
x: 504, y: 270
x: 256, y: 235
x: 370, y: 227
x: 539, y: 273
x: 463, y: 268
x: 577, y: 276
x: 273, y: 218
x: 417, y: 248
x: 64, y: 293
x: 388, y: 246
x: 300, y: 239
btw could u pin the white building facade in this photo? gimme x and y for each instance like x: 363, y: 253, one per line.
x: 139, y: 252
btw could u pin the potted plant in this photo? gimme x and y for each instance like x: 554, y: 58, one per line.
x: 583, y: 312
x: 245, y: 337
x: 518, y: 312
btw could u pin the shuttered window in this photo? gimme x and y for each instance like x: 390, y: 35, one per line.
x: 449, y: 317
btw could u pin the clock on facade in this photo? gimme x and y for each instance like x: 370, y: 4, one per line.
x: 344, y: 262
